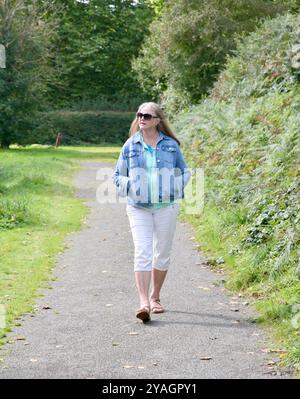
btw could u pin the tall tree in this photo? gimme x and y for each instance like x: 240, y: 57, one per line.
x: 23, y: 83
x: 94, y: 47
x: 189, y: 42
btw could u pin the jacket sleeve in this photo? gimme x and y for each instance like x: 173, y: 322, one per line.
x: 120, y: 175
x: 182, y: 165
x: 182, y: 179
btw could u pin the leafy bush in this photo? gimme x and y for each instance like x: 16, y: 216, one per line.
x: 188, y: 44
x: 246, y: 137
x: 107, y: 103
x: 268, y: 60
x: 14, y: 213
x: 28, y: 53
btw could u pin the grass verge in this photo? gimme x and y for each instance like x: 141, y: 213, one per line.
x: 38, y: 209
x: 217, y: 233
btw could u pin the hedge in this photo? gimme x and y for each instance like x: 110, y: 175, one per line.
x: 89, y: 127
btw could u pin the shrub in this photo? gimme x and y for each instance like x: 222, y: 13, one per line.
x: 246, y: 137
x: 14, y: 213
x: 83, y: 127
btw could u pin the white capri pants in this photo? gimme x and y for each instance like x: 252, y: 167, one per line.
x: 152, y: 232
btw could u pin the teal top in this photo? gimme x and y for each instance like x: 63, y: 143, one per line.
x: 152, y: 173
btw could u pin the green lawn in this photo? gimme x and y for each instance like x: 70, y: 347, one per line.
x: 38, y: 209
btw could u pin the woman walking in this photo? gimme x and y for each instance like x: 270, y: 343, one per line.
x: 152, y: 173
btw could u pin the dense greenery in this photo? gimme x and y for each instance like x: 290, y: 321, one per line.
x: 189, y: 42
x: 68, y: 54
x: 246, y: 136
x: 95, y: 42
x: 24, y: 81
x: 89, y: 127
x: 64, y: 53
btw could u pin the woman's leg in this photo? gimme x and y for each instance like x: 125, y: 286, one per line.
x: 158, y: 278
x: 142, y: 282
x: 141, y: 224
x: 164, y: 229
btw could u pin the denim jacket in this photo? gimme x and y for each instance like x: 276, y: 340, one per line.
x: 130, y: 175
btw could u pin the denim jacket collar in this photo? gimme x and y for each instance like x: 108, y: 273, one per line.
x: 138, y: 137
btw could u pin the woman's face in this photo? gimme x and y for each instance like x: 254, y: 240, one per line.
x: 145, y: 123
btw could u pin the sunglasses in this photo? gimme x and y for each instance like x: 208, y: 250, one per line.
x: 147, y: 117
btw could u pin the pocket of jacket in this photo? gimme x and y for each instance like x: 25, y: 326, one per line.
x: 169, y: 154
x: 133, y: 159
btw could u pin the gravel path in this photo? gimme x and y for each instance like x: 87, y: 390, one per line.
x: 90, y: 329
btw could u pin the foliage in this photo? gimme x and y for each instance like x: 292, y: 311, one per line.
x: 157, y: 5
x: 274, y: 62
x: 107, y: 103
x: 93, y: 127
x: 13, y: 213
x: 189, y: 42
x: 246, y: 137
x: 95, y: 42
x: 67, y: 54
x: 24, y: 80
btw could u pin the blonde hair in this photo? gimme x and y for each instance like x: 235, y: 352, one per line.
x: 163, y: 124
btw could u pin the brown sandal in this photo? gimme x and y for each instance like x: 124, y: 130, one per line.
x: 156, y: 306
x: 143, y: 314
